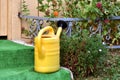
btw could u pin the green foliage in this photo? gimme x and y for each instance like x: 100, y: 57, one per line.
x: 49, y: 7
x: 95, y: 10
x: 91, y: 9
x: 24, y: 8
x: 82, y: 54
x: 117, y: 36
x: 112, y: 69
x: 26, y: 32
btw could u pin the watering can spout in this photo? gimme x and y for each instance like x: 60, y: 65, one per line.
x: 61, y: 25
x: 59, y: 31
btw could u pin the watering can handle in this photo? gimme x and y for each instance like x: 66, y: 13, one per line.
x: 51, y: 32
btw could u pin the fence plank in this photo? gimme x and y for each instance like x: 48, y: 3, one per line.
x: 0, y: 18
x: 14, y: 28
x: 16, y: 22
x: 9, y: 19
x: 3, y: 17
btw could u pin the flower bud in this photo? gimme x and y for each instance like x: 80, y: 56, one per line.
x: 99, y: 5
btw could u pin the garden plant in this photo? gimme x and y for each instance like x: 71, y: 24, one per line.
x: 95, y: 11
x: 82, y: 54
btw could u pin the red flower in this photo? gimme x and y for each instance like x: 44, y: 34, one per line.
x: 106, y: 21
x: 55, y: 13
x: 99, y: 5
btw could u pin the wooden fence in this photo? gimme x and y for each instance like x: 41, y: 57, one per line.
x: 10, y: 24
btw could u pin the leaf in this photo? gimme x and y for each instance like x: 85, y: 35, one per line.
x: 114, y: 40
x: 49, y: 1
x: 40, y: 1
x: 46, y: 6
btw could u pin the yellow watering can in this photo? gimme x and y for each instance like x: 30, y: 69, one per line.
x: 47, y: 50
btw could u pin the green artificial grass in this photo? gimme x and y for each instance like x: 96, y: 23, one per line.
x: 17, y: 61
x: 15, y: 55
x: 27, y: 73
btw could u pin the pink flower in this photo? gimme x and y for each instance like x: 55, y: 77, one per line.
x: 99, y: 5
x: 106, y: 21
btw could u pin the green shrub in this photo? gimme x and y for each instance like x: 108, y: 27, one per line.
x: 82, y: 54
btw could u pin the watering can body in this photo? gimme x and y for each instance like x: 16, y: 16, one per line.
x: 47, y: 50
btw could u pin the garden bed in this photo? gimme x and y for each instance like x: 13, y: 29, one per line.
x: 88, y: 58
x: 111, y: 70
